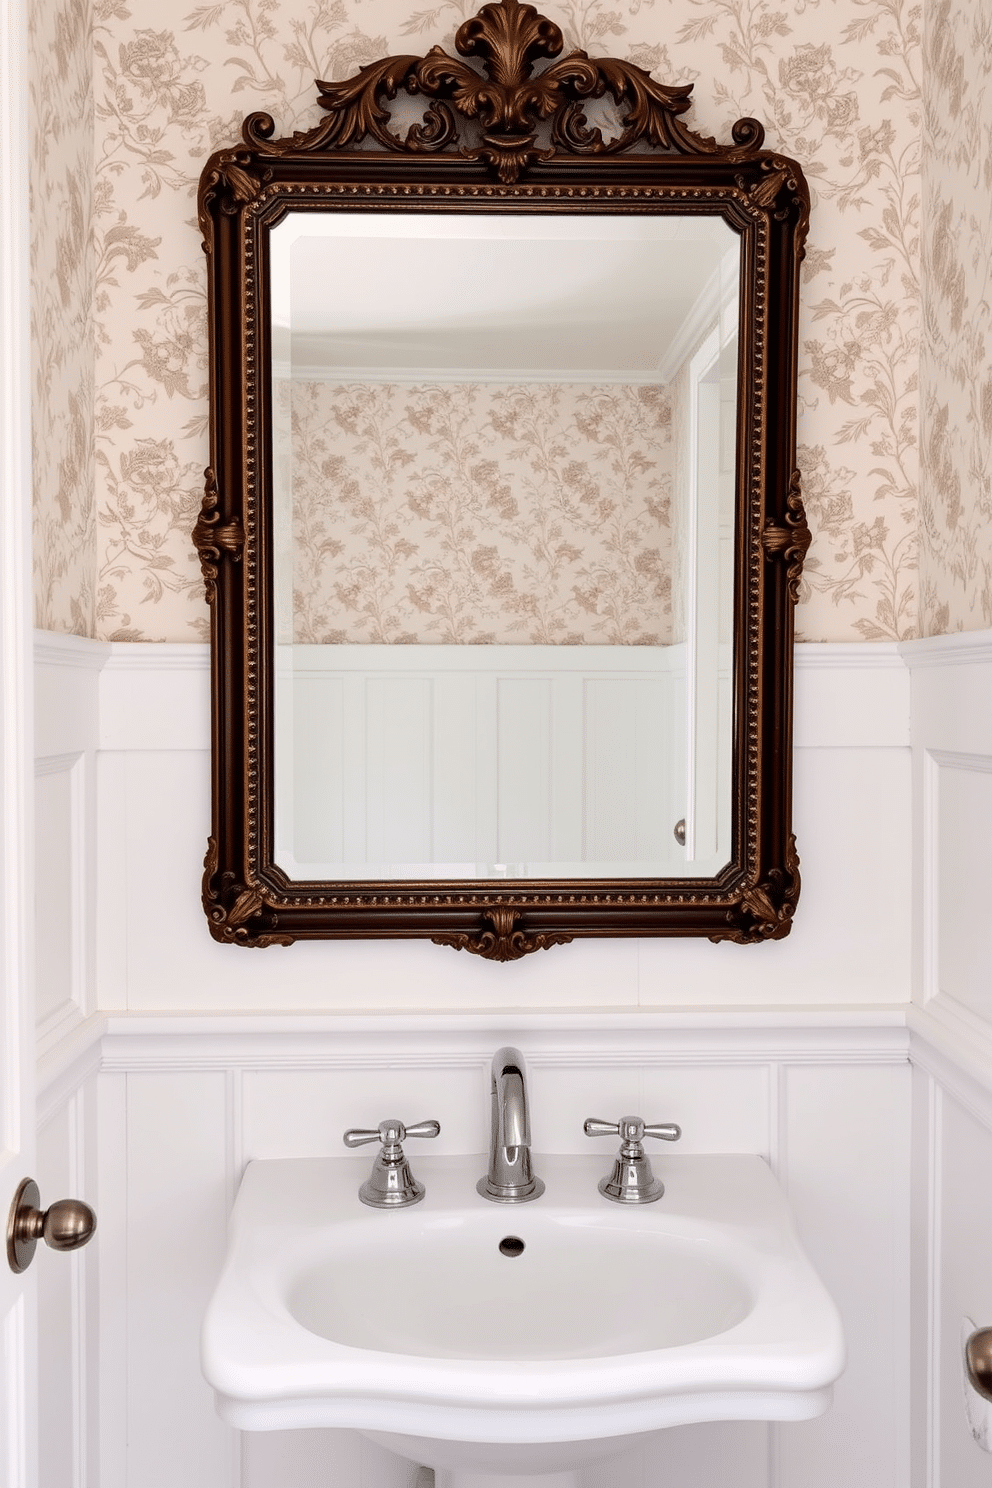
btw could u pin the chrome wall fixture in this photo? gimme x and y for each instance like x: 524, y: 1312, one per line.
x: 66, y: 1225
x: 631, y: 1180
x: 391, y: 1184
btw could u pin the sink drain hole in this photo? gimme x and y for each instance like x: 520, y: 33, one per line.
x: 511, y: 1245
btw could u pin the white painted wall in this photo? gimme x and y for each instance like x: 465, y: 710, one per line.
x: 167, y: 1061
x: 175, y: 1060
x: 951, y: 1045
x: 850, y: 945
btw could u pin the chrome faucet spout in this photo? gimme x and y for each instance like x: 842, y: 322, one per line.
x: 510, y: 1179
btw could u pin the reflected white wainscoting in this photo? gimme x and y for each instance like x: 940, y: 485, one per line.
x: 490, y: 762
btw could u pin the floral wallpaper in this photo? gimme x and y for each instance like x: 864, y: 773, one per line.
x: 956, y: 366
x: 837, y: 83
x: 482, y: 514
x: 61, y: 186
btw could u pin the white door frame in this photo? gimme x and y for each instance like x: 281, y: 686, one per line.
x: 18, y: 1326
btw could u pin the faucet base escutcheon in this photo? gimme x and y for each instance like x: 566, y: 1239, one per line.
x: 510, y: 1193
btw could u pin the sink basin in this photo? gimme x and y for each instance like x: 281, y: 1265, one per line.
x: 483, y: 1337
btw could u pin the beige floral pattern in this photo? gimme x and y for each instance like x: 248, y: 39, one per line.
x: 956, y: 366
x: 481, y: 514
x: 835, y: 81
x: 61, y: 185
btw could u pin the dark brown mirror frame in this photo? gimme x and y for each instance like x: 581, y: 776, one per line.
x: 500, y: 135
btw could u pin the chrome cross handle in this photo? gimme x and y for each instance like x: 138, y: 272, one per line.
x: 631, y: 1180
x: 631, y: 1129
x: 391, y: 1184
x: 389, y: 1132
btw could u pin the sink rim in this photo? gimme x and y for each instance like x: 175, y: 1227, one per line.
x: 268, y: 1370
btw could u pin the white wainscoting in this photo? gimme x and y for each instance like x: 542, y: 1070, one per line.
x: 850, y: 944
x: 66, y: 729
x: 68, y: 1295
x: 798, y: 1051
x: 186, y: 1102
x: 491, y: 761
x: 951, y: 1046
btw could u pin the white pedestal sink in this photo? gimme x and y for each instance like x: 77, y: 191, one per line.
x: 594, y: 1322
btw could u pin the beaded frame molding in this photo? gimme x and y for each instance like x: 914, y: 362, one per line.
x: 504, y: 126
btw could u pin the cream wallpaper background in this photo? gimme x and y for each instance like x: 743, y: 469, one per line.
x: 62, y: 329
x: 837, y: 83
x: 956, y: 365
x: 481, y: 514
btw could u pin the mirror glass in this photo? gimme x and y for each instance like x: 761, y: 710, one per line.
x: 504, y: 455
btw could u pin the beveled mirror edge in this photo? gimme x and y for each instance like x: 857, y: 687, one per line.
x: 248, y: 901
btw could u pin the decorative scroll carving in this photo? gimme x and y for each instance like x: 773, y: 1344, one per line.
x: 502, y: 942
x: 231, y: 923
x: 230, y: 181
x: 212, y: 539
x: 509, y: 102
x: 765, y: 910
x: 792, y: 541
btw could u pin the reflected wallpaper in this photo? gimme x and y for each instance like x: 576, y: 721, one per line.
x: 837, y: 83
x: 481, y: 514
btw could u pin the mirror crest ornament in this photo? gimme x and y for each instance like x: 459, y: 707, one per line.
x: 508, y: 132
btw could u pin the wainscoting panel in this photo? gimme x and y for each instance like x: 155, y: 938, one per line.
x: 958, y: 817
x: 951, y: 1044
x: 850, y: 944
x: 59, y: 1464
x: 68, y: 1320
x: 59, y: 886
x: 178, y: 1183
x: 965, y: 1287
x: 67, y: 735
x: 498, y: 760
x: 846, y: 1168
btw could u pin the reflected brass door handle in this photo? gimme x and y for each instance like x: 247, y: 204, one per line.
x: 67, y: 1225
x: 978, y: 1358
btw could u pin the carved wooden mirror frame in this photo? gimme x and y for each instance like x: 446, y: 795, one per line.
x: 500, y: 136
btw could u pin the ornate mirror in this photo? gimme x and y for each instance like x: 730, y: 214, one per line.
x: 502, y: 532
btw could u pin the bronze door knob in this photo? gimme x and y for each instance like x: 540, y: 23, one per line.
x: 66, y: 1225
x: 978, y: 1357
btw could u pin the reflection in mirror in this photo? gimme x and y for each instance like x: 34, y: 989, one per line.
x: 504, y: 474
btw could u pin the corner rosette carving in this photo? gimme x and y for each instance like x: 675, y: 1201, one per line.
x: 779, y: 189
x: 506, y: 100
x: 766, y: 909
x: 503, y: 940
x: 229, y: 178
x: 213, y: 539
x: 231, y: 922
x: 791, y: 541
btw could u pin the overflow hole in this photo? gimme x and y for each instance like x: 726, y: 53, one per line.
x: 511, y: 1245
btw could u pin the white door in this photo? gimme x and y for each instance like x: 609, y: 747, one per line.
x: 18, y: 1340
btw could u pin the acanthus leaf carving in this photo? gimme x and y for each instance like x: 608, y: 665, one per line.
x: 792, y: 540
x: 778, y: 189
x: 212, y: 538
x: 230, y: 179
x: 231, y: 922
x: 501, y: 938
x: 766, y: 909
